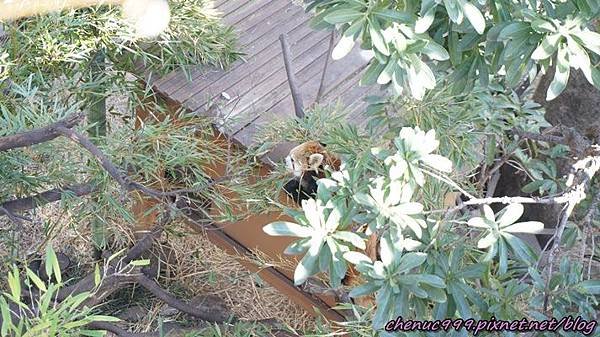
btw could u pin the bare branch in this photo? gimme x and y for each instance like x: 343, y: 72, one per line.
x: 287, y: 59
x: 40, y: 135
x: 40, y: 199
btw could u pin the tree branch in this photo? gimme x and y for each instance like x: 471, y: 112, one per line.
x: 40, y: 135
x: 40, y: 199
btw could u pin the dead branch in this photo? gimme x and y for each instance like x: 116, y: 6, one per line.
x: 40, y: 199
x: 39, y: 135
x: 203, y: 313
x: 287, y: 60
x: 120, y: 331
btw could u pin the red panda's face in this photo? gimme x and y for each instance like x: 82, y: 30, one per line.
x: 308, y: 156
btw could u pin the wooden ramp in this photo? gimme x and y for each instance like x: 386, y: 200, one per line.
x: 253, y: 92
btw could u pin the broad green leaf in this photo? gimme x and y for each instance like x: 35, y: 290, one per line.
x: 393, y: 15
x: 547, y: 48
x: 377, y: 37
x: 432, y: 280
x: 454, y: 10
x: 424, y: 22
x: 285, y: 228
x: 297, y: 247
x: 307, y: 266
x: 343, y: 47
x: 476, y: 270
x: 525, y: 227
x: 561, y: 75
x: 372, y: 73
x: 343, y: 16
x: 520, y: 248
x: 14, y: 283
x: 591, y: 40
x: 591, y: 286
x: 543, y: 26
x: 409, y: 261
x: 510, y: 214
x: 356, y: 258
x: 514, y: 30
x: 474, y: 16
x: 365, y: 289
x: 532, y: 186
x: 579, y: 58
x: 503, y: 255
x: 350, y: 237
x: 487, y: 241
x: 435, y: 51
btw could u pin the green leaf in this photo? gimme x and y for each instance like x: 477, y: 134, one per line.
x: 579, y: 58
x: 590, y: 286
x: 432, y: 280
x: 411, y: 260
x: 140, y: 263
x: 591, y: 40
x: 509, y: 214
x: 6, y: 319
x: 474, y: 16
x: 435, y: 51
x: 520, y: 248
x: 532, y: 186
x: 36, y: 280
x: 503, y: 254
x: 561, y: 75
x: 514, y: 30
x: 356, y: 258
x: 542, y: 26
x: 307, y: 266
x: 454, y: 11
x: 97, y: 275
x: 365, y: 289
x: 285, y: 228
x: 386, y: 75
x: 393, y: 15
x: 525, y: 227
x: 377, y: 37
x: 424, y: 22
x: 476, y: 270
x: 343, y: 47
x: 350, y: 237
x: 343, y: 16
x: 297, y: 247
x: 547, y: 48
x: 14, y: 283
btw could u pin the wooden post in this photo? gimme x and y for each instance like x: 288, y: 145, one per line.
x: 287, y: 60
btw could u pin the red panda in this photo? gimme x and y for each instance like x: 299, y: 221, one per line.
x: 307, y: 163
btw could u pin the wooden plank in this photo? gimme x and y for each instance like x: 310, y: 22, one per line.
x: 248, y: 11
x: 252, y: 37
x: 272, y: 88
x: 259, y: 53
x: 249, y: 79
x: 256, y: 118
x: 230, y: 6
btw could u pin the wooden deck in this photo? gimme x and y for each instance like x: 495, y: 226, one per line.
x: 254, y: 90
